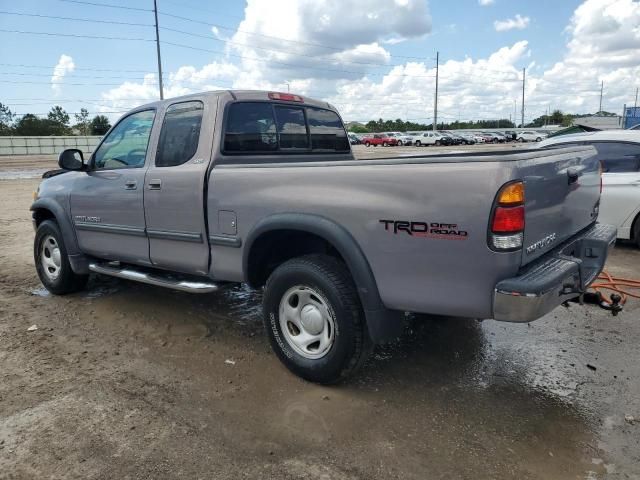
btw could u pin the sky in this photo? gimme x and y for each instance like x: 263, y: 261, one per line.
x: 370, y: 58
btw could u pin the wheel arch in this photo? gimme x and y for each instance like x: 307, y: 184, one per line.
x: 382, y: 324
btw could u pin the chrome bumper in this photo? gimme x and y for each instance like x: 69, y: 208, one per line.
x: 560, y: 275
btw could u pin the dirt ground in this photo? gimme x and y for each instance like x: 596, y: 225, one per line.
x: 130, y: 381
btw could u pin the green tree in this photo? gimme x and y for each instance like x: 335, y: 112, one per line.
x: 358, y: 129
x: 82, y: 121
x: 6, y: 120
x: 59, y: 120
x: 100, y: 125
x: 30, y: 125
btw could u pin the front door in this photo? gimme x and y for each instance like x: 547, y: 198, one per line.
x: 107, y: 203
x: 175, y: 194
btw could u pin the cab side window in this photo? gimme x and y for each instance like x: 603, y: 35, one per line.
x: 126, y: 145
x: 618, y: 157
x: 180, y: 134
x: 251, y: 127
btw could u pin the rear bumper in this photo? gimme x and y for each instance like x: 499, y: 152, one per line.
x: 560, y: 275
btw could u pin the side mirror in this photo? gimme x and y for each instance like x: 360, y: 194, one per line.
x: 71, y: 159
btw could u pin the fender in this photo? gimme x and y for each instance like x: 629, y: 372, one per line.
x: 383, y: 324
x: 77, y: 259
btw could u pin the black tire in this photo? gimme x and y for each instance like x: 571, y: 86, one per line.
x: 521, y: 140
x: 330, y: 278
x: 539, y: 139
x: 438, y: 143
x: 385, y: 144
x: 66, y: 281
x: 399, y: 143
x: 367, y: 144
x: 418, y: 143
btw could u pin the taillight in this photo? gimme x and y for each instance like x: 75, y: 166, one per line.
x: 507, y: 221
x: 287, y: 97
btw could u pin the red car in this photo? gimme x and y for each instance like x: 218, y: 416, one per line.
x: 379, y: 139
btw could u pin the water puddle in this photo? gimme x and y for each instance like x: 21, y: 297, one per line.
x: 40, y: 292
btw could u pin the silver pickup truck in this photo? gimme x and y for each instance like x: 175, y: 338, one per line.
x: 262, y: 188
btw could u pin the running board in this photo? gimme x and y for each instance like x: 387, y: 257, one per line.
x: 151, y: 279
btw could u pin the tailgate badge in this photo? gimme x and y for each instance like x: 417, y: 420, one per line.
x: 545, y: 242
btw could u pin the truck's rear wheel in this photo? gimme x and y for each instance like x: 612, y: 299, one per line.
x: 418, y: 143
x: 314, y: 319
x: 52, y: 262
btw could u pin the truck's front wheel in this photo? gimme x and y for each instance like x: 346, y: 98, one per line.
x: 314, y: 319
x: 52, y: 262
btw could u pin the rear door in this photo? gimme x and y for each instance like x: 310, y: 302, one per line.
x: 174, y: 188
x: 562, y: 193
x: 621, y: 184
x: 107, y: 203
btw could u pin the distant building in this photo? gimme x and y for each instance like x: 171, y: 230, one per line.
x: 599, y: 122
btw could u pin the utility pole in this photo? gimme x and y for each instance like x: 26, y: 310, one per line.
x: 155, y: 13
x: 523, y: 77
x: 435, y: 102
x: 601, y: 90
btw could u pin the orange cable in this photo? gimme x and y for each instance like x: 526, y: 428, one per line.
x: 614, y: 284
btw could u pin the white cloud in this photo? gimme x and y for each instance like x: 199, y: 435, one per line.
x: 65, y: 65
x: 516, y: 23
x: 365, y: 81
x: 485, y: 3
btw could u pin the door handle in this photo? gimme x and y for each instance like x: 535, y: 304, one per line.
x: 155, y: 184
x: 130, y: 185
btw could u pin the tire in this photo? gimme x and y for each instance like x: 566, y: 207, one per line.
x: 539, y: 139
x: 418, y: 143
x: 495, y: 140
x: 636, y: 231
x: 385, y: 144
x: 399, y: 143
x: 329, y: 288
x: 438, y: 143
x: 367, y: 144
x: 521, y: 140
x: 52, y: 261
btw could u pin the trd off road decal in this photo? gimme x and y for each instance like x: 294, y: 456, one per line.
x: 445, y: 231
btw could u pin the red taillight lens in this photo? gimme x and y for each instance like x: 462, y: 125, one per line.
x: 508, y: 220
x: 287, y: 97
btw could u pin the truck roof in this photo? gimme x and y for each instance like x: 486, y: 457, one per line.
x: 260, y: 95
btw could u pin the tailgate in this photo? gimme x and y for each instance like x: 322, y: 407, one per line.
x: 562, y: 195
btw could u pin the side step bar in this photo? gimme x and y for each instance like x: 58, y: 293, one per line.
x: 151, y: 279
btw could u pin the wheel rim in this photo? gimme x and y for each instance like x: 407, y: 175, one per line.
x: 50, y: 257
x: 306, y: 322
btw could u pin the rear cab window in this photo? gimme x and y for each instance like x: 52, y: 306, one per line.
x: 267, y: 128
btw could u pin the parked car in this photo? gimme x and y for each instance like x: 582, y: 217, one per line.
x: 432, y: 138
x: 619, y: 154
x: 379, y: 139
x: 194, y: 192
x: 402, y: 138
x: 453, y: 138
x: 468, y: 138
x: 493, y: 137
x: 510, y: 135
x: 353, y: 139
x: 530, y: 136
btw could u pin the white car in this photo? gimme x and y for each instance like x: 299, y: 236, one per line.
x: 403, y: 138
x: 619, y: 152
x: 430, y: 138
x: 530, y: 136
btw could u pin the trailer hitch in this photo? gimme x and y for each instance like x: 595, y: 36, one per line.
x: 614, y: 305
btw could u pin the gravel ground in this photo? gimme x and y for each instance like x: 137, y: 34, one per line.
x: 130, y: 381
